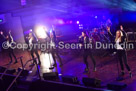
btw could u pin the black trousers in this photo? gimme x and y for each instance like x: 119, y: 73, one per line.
x: 55, y: 52
x: 87, y: 53
x: 32, y: 54
x: 122, y: 57
x: 11, y: 53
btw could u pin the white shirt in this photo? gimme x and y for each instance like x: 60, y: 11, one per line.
x: 9, y: 44
x: 121, y: 33
x: 118, y: 46
x: 30, y: 41
x: 52, y: 43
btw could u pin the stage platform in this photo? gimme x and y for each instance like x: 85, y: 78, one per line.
x: 107, y: 70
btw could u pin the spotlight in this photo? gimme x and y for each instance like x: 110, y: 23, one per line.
x: 1, y: 20
x: 50, y: 30
x: 41, y: 32
x: 60, y: 21
x: 95, y: 17
x: 77, y: 22
x: 31, y: 30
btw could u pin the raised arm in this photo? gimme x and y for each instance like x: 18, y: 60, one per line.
x: 10, y: 36
x: 2, y: 35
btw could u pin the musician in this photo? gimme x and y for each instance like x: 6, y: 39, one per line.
x: 32, y: 40
x: 84, y: 40
x: 121, y: 52
x: 111, y: 36
x: 123, y: 33
x: 53, y: 47
x: 9, y: 41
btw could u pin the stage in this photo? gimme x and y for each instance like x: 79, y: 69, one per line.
x: 107, y: 70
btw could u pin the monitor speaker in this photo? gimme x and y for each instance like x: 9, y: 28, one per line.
x: 117, y: 86
x: 70, y: 79
x: 93, y: 82
x: 50, y: 76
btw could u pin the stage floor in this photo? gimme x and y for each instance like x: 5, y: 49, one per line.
x: 107, y: 70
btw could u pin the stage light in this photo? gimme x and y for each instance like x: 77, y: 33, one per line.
x: 77, y: 22
x: 96, y: 17
x: 1, y: 20
x: 41, y: 32
x: 50, y: 30
x: 23, y: 2
x: 31, y: 30
x: 80, y: 25
x: 60, y: 21
x: 70, y: 22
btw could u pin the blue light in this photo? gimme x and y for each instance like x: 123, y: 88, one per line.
x: 50, y: 30
x: 1, y: 20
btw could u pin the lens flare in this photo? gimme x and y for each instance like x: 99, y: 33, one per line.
x: 41, y: 32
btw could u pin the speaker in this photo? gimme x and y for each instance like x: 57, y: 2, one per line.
x: 116, y: 86
x: 24, y: 72
x: 50, y: 76
x: 70, y: 79
x: 93, y: 82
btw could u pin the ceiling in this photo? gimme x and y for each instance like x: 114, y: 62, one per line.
x: 64, y: 8
x: 7, y: 5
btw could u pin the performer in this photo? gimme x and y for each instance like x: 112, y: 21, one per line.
x: 9, y: 40
x: 111, y: 36
x: 123, y: 33
x: 84, y: 40
x: 33, y: 40
x: 53, y: 46
x: 121, y: 52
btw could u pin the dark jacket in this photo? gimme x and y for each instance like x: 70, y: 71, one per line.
x: 84, y: 42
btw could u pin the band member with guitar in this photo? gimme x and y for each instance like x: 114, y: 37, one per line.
x: 9, y: 40
x: 84, y: 40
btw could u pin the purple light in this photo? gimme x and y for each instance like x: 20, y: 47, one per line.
x: 60, y: 21
x: 95, y: 17
x: 77, y: 22
x: 23, y: 2
x: 70, y: 22
x: 31, y: 30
